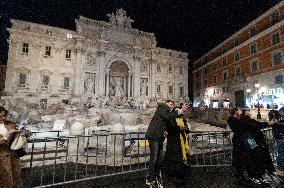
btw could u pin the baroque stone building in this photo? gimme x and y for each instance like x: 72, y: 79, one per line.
x: 50, y: 64
x: 246, y: 68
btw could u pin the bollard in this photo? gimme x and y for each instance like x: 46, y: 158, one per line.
x: 117, y: 140
x: 76, y: 129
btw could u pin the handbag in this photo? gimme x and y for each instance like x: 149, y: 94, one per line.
x: 250, y: 143
x: 19, y: 139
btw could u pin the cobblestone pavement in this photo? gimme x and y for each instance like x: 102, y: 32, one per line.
x: 211, y: 177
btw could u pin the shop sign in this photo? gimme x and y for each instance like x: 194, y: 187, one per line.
x: 273, y: 91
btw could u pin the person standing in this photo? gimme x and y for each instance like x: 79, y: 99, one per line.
x: 10, y: 169
x: 278, y: 132
x: 156, y: 133
x: 177, y: 152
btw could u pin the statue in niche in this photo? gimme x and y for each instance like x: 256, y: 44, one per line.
x: 116, y: 87
x: 143, y: 87
x: 89, y: 84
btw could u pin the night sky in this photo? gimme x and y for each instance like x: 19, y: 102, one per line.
x: 193, y: 26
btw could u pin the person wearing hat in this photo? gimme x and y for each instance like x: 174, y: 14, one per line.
x: 278, y: 132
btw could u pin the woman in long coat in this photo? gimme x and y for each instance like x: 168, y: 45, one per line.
x: 176, y: 157
x: 10, y: 169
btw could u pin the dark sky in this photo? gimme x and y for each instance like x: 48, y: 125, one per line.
x: 193, y: 26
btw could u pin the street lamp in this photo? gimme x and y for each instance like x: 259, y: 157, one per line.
x: 258, y: 116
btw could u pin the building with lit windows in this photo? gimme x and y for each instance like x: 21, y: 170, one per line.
x: 251, y: 57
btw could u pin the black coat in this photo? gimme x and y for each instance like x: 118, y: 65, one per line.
x: 159, y: 122
x: 173, y: 158
x: 256, y: 161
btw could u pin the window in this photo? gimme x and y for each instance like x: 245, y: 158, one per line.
x: 224, y: 90
x: 275, y: 38
x: 66, y: 83
x: 158, y: 68
x: 171, y: 89
x: 22, y: 79
x: 279, y: 79
x: 214, y: 67
x: 224, y: 62
x: 205, y: 82
x: 47, y: 50
x: 158, y: 88
x: 48, y: 31
x: 69, y: 36
x: 275, y: 17
x: 238, y: 71
x: 68, y: 54
x: 254, y: 66
x: 45, y: 81
x: 253, y: 49
x: 277, y: 58
x: 237, y: 56
x: 225, y: 75
x: 252, y: 31
x: 25, y: 48
x: 180, y: 70
x: 181, y: 91
x: 170, y: 69
x: 224, y: 48
x: 237, y: 41
x: 197, y: 84
x: 205, y: 71
x: 215, y: 79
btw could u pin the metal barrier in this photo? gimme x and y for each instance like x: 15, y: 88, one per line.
x: 62, y: 160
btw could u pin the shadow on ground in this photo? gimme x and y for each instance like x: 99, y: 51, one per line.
x: 203, y: 177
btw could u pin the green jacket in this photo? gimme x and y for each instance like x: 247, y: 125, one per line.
x: 159, y: 122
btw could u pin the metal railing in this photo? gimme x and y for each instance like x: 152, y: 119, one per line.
x: 67, y: 159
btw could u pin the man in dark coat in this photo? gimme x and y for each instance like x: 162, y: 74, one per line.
x: 258, y: 160
x: 155, y: 135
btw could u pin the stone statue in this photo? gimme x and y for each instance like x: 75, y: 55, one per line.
x: 120, y: 19
x: 89, y: 85
x: 118, y: 89
x: 143, y: 87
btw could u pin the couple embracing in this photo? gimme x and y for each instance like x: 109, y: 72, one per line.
x: 169, y: 122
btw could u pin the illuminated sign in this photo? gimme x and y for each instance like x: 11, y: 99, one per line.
x: 273, y: 91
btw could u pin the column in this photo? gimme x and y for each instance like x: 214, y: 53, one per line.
x: 124, y: 86
x: 101, y: 76
x: 136, y: 78
x: 78, y: 73
x: 129, y: 84
x: 107, y: 83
